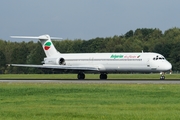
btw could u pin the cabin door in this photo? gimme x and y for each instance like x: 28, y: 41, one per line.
x: 148, y: 63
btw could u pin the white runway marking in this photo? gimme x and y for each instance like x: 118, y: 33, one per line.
x: 96, y: 81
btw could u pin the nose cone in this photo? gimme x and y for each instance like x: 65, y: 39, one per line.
x: 164, y: 66
x: 167, y: 66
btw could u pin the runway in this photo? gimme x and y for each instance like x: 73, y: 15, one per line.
x: 95, y: 81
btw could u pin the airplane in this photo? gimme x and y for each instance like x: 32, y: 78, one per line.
x: 102, y: 63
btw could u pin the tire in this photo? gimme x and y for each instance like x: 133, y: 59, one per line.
x: 103, y: 76
x: 81, y: 76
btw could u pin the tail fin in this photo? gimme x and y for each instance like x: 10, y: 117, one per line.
x: 46, y: 42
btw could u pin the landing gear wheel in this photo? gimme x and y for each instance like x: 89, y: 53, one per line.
x: 162, y: 78
x: 81, y: 76
x: 103, y: 76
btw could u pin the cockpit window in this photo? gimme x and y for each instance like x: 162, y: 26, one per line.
x: 158, y: 58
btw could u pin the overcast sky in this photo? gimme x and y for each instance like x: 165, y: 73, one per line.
x: 85, y: 19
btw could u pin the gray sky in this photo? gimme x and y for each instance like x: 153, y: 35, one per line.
x: 85, y: 19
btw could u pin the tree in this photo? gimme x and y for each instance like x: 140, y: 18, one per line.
x: 35, y: 57
x: 129, y: 34
x: 2, y: 62
x: 175, y: 56
x: 146, y: 39
x: 19, y: 56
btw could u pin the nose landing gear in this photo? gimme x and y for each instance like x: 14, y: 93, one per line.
x: 162, y: 77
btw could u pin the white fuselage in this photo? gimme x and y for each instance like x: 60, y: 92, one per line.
x: 98, y: 62
x: 114, y: 62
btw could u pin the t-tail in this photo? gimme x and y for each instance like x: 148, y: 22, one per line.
x: 46, y: 42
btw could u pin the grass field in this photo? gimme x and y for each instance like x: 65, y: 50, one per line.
x: 27, y: 101
x: 88, y: 76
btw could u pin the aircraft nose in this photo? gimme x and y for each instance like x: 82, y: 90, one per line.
x: 165, y: 66
x: 168, y: 66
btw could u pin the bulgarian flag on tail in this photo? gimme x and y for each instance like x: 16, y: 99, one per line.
x: 47, y: 45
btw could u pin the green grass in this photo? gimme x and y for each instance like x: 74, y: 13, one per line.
x: 88, y: 76
x: 21, y: 101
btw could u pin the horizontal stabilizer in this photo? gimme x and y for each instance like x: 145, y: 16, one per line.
x: 46, y: 43
x: 42, y: 37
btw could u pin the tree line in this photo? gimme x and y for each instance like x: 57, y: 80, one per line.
x: 146, y: 39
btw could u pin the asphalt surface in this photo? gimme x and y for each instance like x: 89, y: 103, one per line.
x: 95, y: 81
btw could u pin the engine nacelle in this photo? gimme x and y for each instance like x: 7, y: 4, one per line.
x: 54, y: 61
x: 61, y: 61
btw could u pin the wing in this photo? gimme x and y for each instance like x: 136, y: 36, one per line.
x: 60, y: 67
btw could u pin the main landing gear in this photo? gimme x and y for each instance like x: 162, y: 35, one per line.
x: 81, y: 76
x: 103, y: 76
x: 162, y: 77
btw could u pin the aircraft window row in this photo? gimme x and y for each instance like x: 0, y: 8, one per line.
x: 103, y: 59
